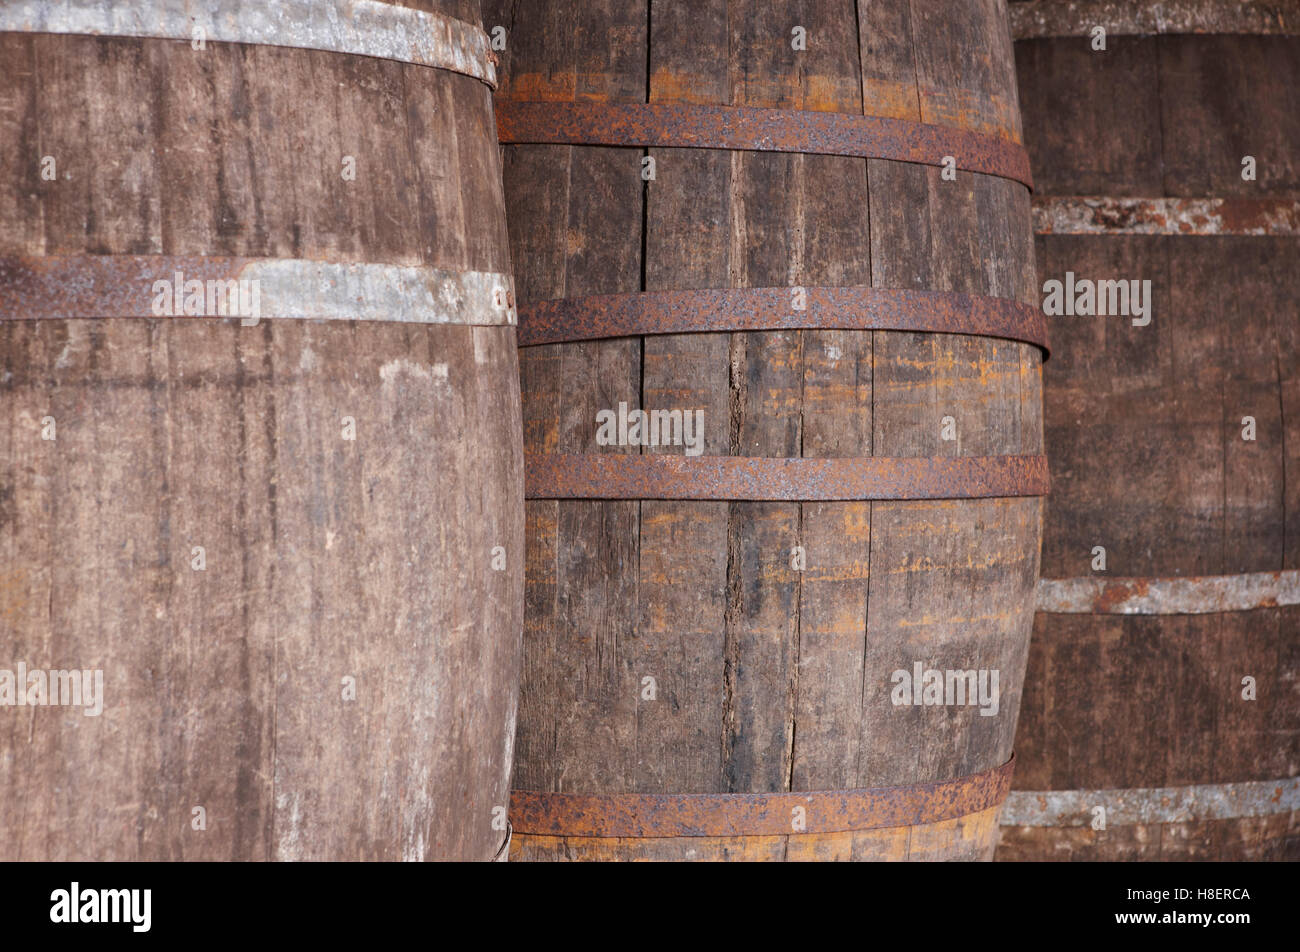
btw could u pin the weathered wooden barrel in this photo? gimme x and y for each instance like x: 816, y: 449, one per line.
x: 735, y: 219
x: 261, y: 477
x: 1161, y: 716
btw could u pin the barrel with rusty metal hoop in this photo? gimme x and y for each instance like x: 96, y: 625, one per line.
x: 261, y: 476
x: 819, y: 240
x: 1161, y: 719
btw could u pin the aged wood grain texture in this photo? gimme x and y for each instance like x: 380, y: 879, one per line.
x: 768, y: 678
x: 1144, y: 433
x: 325, y: 558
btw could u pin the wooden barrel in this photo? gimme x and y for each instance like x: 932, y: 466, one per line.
x: 261, y: 468
x: 1161, y: 717
x: 734, y: 218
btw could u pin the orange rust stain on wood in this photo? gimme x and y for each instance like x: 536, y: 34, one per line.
x: 966, y: 109
x: 856, y: 570
x: 888, y: 845
x: 891, y: 100
x: 529, y: 848
x: 14, y: 599
x: 540, y: 87
x: 969, y: 837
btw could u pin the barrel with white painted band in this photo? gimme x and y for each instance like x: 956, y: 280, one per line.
x: 1161, y: 719
x: 261, y: 471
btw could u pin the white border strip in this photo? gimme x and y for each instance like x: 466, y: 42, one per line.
x: 1209, y: 801
x: 359, y: 27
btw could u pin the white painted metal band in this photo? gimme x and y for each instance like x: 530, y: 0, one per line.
x: 359, y: 27
x: 1047, y: 18
x: 1166, y: 216
x: 1195, y: 595
x: 186, y: 287
x: 1209, y: 801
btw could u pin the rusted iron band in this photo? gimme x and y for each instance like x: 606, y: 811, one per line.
x: 772, y: 309
x: 756, y: 814
x: 1194, y: 595
x: 744, y: 128
x: 105, y: 286
x: 1208, y: 801
x: 1167, y: 216
x: 358, y: 27
x: 1047, y: 18
x: 659, y: 476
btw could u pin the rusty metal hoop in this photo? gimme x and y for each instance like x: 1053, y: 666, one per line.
x: 723, y: 478
x: 756, y: 814
x: 567, y: 320
x: 746, y: 128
